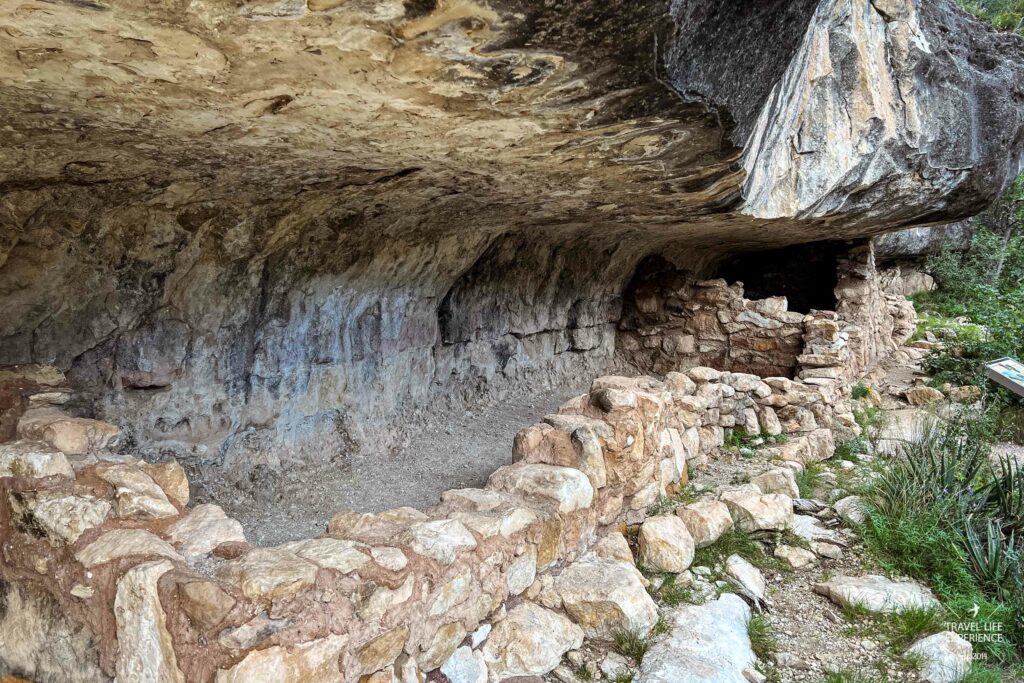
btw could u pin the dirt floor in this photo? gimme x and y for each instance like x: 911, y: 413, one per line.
x: 456, y: 451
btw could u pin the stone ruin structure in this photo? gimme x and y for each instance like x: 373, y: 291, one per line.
x: 271, y: 232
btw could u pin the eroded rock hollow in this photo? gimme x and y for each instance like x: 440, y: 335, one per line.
x: 248, y: 241
x: 273, y: 231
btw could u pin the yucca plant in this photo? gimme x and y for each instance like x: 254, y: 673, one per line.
x: 993, y: 558
x: 1004, y: 496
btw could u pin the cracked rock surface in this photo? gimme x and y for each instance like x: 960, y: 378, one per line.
x: 264, y: 233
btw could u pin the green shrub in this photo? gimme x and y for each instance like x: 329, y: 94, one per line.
x: 1005, y: 15
x: 941, y: 513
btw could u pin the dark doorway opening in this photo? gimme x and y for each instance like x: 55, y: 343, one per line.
x: 805, y: 274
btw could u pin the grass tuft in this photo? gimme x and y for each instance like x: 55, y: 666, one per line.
x: 762, y: 638
x: 632, y: 645
x: 809, y: 479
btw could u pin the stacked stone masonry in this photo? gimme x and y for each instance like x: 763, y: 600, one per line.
x: 675, y: 322
x: 503, y: 580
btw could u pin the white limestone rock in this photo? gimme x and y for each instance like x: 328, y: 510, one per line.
x: 118, y: 543
x: 465, y: 666
x: 876, y: 594
x: 851, y: 510
x: 33, y: 459
x: 529, y: 641
x: 944, y: 657
x: 796, y: 558
x: 613, y: 546
x: 778, y: 480
x: 203, y: 529
x: 810, y: 529
x: 752, y: 511
x: 522, y: 571
x: 606, y: 597
x: 746, y: 577
x: 665, y: 544
x: 137, y: 496
x: 145, y: 650
x: 706, y: 520
x: 706, y: 644
x: 70, y: 435
x: 331, y: 553
x: 312, y: 662
x: 565, y: 488
x: 64, y: 518
x: 267, y: 573
x: 441, y: 539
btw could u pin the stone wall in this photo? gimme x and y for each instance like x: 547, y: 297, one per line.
x: 672, y: 321
x: 512, y: 575
x: 675, y: 323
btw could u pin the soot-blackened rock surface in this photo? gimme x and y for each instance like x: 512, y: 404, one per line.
x: 270, y: 231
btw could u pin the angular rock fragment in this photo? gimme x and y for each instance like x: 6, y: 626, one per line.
x: 753, y: 511
x: 70, y: 435
x: 529, y: 641
x: 204, y: 528
x: 779, y: 480
x: 33, y: 459
x: 146, y: 651
x: 565, y: 488
x: 666, y: 544
x: 876, y: 593
x: 312, y: 662
x: 137, y: 495
x: 267, y: 573
x: 118, y: 543
x: 706, y: 520
x: 706, y: 644
x: 943, y: 658
x: 63, y: 518
x: 606, y: 597
x: 441, y: 540
x: 796, y: 558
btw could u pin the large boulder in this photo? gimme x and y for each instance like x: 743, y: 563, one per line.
x: 942, y: 658
x: 33, y: 459
x: 529, y: 641
x: 665, y: 544
x: 753, y: 511
x: 606, y: 597
x: 706, y: 644
x: 706, y: 520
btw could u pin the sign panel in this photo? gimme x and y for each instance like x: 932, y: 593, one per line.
x: 1008, y: 373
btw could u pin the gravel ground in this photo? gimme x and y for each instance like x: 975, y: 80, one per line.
x: 456, y: 451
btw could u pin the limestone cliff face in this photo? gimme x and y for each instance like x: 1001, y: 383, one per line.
x: 268, y: 230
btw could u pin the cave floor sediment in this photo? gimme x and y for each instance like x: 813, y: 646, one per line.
x: 459, y: 449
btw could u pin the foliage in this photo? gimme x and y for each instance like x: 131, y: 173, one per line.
x: 762, y: 639
x: 583, y: 673
x: 807, y: 480
x: 977, y: 308
x: 736, y: 440
x: 849, y: 448
x: 943, y: 513
x: 632, y: 645
x: 736, y: 542
x: 1005, y: 15
x: 674, y: 594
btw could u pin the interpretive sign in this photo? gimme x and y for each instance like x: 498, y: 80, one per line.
x: 1007, y: 372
